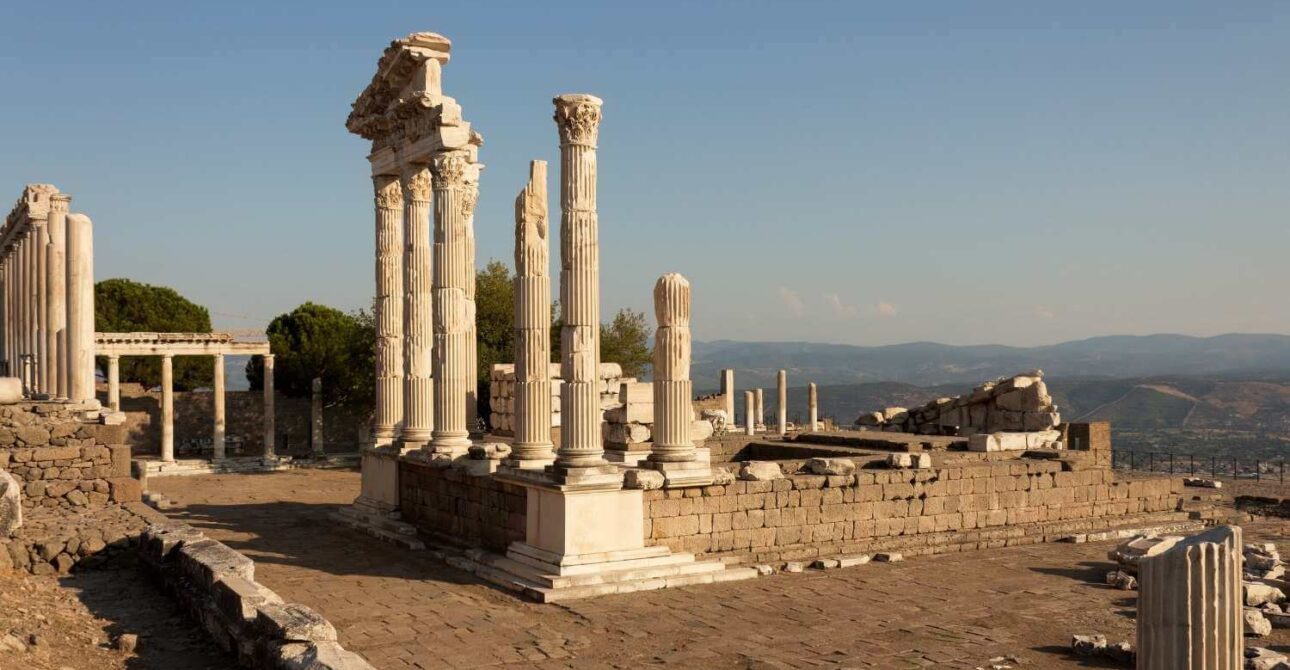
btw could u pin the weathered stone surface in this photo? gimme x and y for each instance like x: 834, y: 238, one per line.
x: 643, y: 479
x: 318, y: 656
x: 1088, y: 645
x: 1258, y: 594
x: 831, y: 466
x: 1189, y: 604
x: 206, y: 561
x: 1256, y: 624
x: 1258, y: 658
x: 239, y: 598
x: 760, y: 471
x: 900, y: 460
x: 10, y: 504
x: 1121, y: 580
x: 293, y: 622
x: 1132, y: 552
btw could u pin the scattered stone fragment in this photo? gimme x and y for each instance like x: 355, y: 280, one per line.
x: 1259, y: 658
x: 831, y: 466
x: 794, y: 566
x: 764, y: 569
x: 1202, y: 483
x: 1130, y: 553
x: 1121, y: 580
x: 1122, y: 653
x: 1256, y: 624
x: 899, y: 460
x: 127, y: 642
x: 1257, y: 594
x: 826, y: 564
x: 760, y: 471
x: 888, y: 557
x: 1088, y: 645
x: 849, y: 561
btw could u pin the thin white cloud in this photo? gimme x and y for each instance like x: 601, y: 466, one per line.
x: 792, y: 301
x: 884, y: 309
x: 1045, y: 313
x: 840, y: 309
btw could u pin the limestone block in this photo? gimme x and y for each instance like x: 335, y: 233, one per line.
x: 1031, y: 398
x: 900, y: 460
x: 206, y: 561
x: 318, y: 656
x: 634, y: 392
x: 870, y: 419
x: 1258, y: 594
x: 633, y: 413
x: 1132, y: 552
x: 895, y: 414
x: 10, y: 504
x: 1257, y: 658
x: 760, y: 471
x: 10, y: 390
x: 293, y: 622
x: 1256, y: 624
x: 831, y: 466
x: 643, y: 479
x: 702, y: 429
x: 1189, y: 604
x: 921, y: 461
x: 239, y: 598
x: 1040, y: 420
x: 1001, y: 420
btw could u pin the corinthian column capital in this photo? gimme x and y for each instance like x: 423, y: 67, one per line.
x: 451, y: 170
x: 578, y: 117
x: 60, y: 202
x: 417, y: 183
x: 389, y: 193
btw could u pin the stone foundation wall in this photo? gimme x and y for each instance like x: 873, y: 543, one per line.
x: 916, y: 511
x: 62, y: 461
x: 217, y: 586
x: 454, y: 504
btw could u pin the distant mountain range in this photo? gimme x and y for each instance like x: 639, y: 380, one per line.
x: 931, y: 364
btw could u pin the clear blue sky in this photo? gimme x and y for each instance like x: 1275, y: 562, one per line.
x: 867, y: 173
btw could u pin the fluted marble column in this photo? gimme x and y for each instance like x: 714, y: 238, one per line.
x: 418, y: 311
x: 470, y: 197
x: 1190, y: 604
x: 40, y: 257
x: 581, y: 453
x: 270, y: 417
x: 673, y: 452
x: 781, y: 409
x: 114, y: 383
x: 56, y: 316
x: 761, y: 409
x: 750, y: 413
x: 532, y: 445
x: 813, y: 406
x: 728, y: 394
x: 167, y: 408
x: 80, y: 307
x: 453, y: 311
x: 316, y: 446
x: 217, y: 411
x: 388, y: 308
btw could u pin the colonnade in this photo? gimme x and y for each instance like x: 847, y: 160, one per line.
x: 47, y: 294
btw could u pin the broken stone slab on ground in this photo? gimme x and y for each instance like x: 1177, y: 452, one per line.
x: 1121, y: 580
x: 831, y: 466
x: 1131, y: 553
x: 1257, y: 594
x: 1256, y: 624
x: 1259, y: 658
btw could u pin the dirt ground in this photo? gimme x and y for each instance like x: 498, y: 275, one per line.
x: 404, y: 609
x: 49, y: 623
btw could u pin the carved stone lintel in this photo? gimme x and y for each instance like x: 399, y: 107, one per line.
x: 578, y: 117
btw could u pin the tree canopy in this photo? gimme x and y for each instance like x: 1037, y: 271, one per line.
x: 124, y: 306
x: 318, y: 341
x: 625, y: 341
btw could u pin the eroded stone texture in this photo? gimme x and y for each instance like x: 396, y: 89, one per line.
x: 532, y: 445
x: 673, y: 453
x: 1189, y: 604
x: 10, y: 504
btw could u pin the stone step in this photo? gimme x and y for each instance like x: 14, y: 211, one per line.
x: 612, y: 576
x: 574, y: 593
x: 653, y: 559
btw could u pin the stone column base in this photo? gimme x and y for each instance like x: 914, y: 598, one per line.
x: 689, y: 473
x: 628, y: 456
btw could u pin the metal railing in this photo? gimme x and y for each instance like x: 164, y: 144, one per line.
x: 1194, y: 465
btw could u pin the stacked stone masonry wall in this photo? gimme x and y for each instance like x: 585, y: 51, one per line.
x: 451, y: 502
x: 917, y: 511
x: 501, y: 393
x: 62, y: 461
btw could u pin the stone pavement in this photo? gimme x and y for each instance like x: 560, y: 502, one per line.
x: 402, y: 609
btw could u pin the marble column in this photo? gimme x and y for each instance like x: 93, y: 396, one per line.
x: 33, y: 302
x: 1190, y: 604
x: 453, y: 311
x: 469, y: 198
x: 532, y: 446
x: 167, y: 408
x: 813, y: 406
x: 781, y: 409
x: 581, y: 453
x: 316, y: 417
x: 761, y: 409
x: 418, y: 311
x: 24, y: 306
x: 270, y: 423
x: 56, y: 321
x: 728, y: 394
x: 388, y: 309
x: 218, y: 445
x: 673, y: 452
x: 750, y: 413
x: 80, y: 307
x: 4, y: 311
x: 39, y: 280
x: 114, y: 383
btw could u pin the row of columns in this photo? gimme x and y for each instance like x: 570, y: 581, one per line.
x: 754, y: 405
x: 47, y: 277
x: 219, y: 422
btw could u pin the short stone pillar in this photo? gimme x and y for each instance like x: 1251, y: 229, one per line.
x: 532, y: 446
x: 781, y: 411
x: 80, y: 307
x: 728, y: 393
x: 1190, y: 604
x: 761, y: 409
x: 114, y: 383
x: 673, y: 453
x: 750, y: 412
x: 167, y: 408
x: 316, y: 417
x: 269, y: 419
x: 218, y: 444
x: 813, y: 405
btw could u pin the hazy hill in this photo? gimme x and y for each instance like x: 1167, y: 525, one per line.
x: 931, y: 364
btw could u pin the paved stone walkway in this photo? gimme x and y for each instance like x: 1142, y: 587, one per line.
x: 405, y: 610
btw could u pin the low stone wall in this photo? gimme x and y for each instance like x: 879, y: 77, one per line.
x: 916, y: 511
x: 62, y: 461
x: 217, y: 586
x: 452, y: 504
x: 57, y: 540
